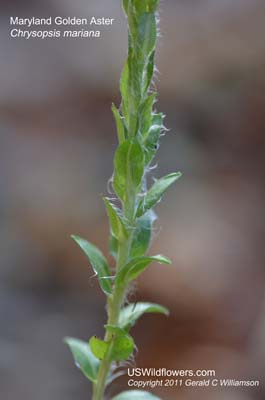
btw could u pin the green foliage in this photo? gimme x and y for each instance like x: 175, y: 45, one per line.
x: 154, y: 195
x: 146, y: 115
x: 113, y: 246
x: 135, y: 395
x: 121, y: 131
x: 119, y: 124
x: 128, y: 169
x: 151, y: 141
x: 98, y: 347
x: 84, y: 358
x: 142, y: 234
x: 119, y: 347
x: 98, y: 262
x: 131, y: 313
x: 137, y: 265
x: 131, y: 221
x: 117, y: 227
x: 122, y: 343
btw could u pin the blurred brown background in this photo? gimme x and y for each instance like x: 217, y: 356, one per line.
x: 57, y: 143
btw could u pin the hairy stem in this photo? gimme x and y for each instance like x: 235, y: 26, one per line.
x: 114, y: 305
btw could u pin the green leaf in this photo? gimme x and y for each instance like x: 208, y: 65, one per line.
x: 118, y: 229
x: 84, y: 358
x: 146, y: 6
x: 152, y: 139
x: 123, y: 343
x: 134, y: 87
x: 135, y: 395
x: 98, y: 347
x: 132, y: 21
x: 119, y: 124
x: 154, y: 195
x: 116, y: 330
x: 124, y: 89
x: 146, y: 115
x: 123, y: 348
x: 98, y: 262
x: 125, y: 5
x: 146, y: 35
x: 137, y: 265
x: 113, y: 246
x: 149, y: 72
x: 131, y: 313
x: 128, y: 169
x: 143, y: 234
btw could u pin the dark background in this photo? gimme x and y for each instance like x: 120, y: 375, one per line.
x: 56, y: 149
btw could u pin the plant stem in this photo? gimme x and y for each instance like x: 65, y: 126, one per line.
x: 115, y: 302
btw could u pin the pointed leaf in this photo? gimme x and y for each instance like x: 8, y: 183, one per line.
x: 154, y: 195
x: 131, y: 313
x: 125, y: 5
x: 146, y: 35
x: 84, y: 358
x: 132, y: 21
x: 152, y: 139
x: 124, y: 89
x: 137, y: 265
x: 98, y: 347
x: 118, y: 229
x: 135, y: 395
x: 98, y: 262
x: 146, y: 115
x: 128, y: 168
x: 119, y: 124
x: 149, y: 72
x: 143, y: 234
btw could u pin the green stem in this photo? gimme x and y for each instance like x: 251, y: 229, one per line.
x: 115, y: 304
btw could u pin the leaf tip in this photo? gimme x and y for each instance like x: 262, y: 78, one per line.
x: 75, y: 237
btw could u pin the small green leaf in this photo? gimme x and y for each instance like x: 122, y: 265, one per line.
x: 146, y: 35
x: 146, y: 6
x: 125, y: 5
x: 84, y: 358
x: 146, y: 115
x: 123, y: 343
x: 98, y: 262
x: 115, y: 330
x: 149, y: 72
x: 137, y: 265
x: 143, y: 234
x: 154, y: 195
x: 132, y: 21
x: 113, y: 246
x: 98, y: 347
x: 124, y: 89
x: 123, y: 348
x: 134, y: 86
x: 135, y: 395
x: 128, y: 168
x: 118, y: 229
x: 119, y: 124
x: 152, y: 139
x: 131, y: 313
